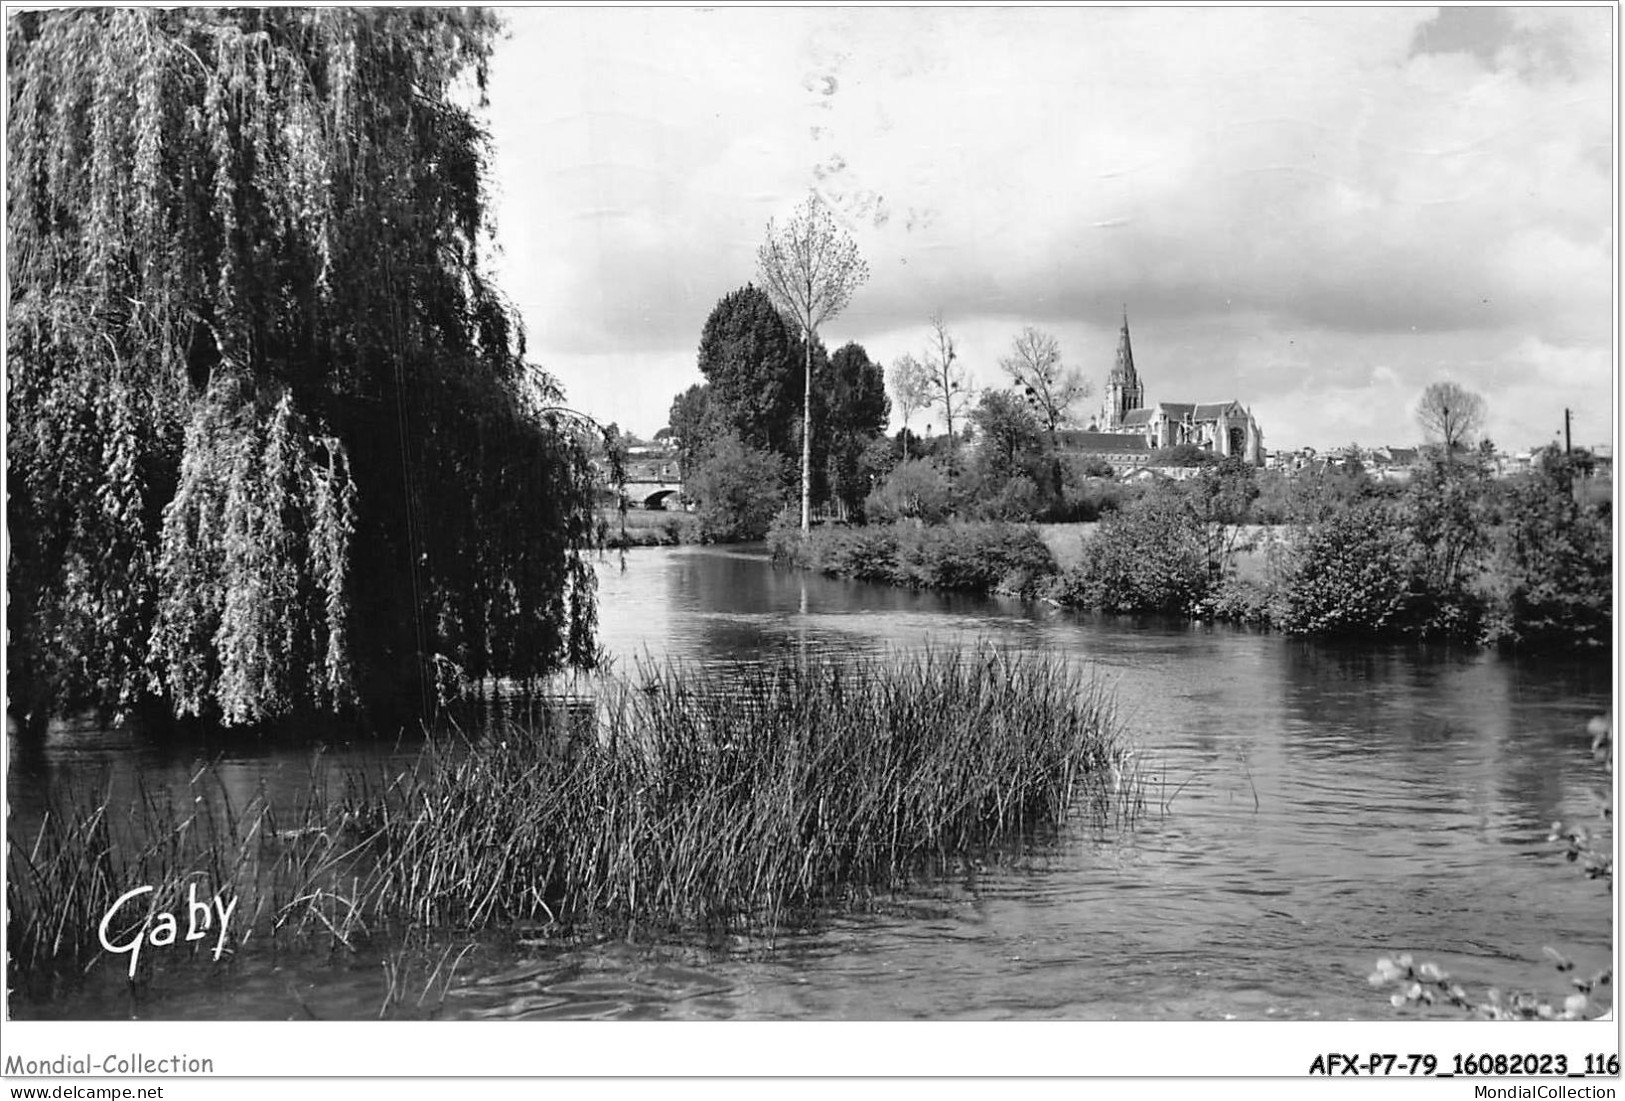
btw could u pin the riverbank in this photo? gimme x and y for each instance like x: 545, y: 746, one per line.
x: 1066, y: 544
x: 647, y: 528
x: 1028, y: 560
x: 1537, y: 577
x: 672, y: 802
x: 960, y: 556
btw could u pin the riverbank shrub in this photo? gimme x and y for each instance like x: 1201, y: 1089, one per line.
x: 1172, y: 549
x: 1018, y: 501
x: 1453, y: 555
x: 675, y: 800
x: 1349, y: 573
x: 1252, y: 601
x: 965, y: 556
x: 916, y: 489
x: 1146, y: 558
x: 1549, y: 578
x: 1087, y: 499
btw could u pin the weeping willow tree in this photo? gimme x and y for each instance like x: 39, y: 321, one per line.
x: 274, y: 447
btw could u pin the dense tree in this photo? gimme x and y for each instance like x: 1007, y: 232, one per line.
x: 738, y: 488
x: 1551, y: 562
x: 854, y: 413
x: 1012, y: 440
x: 810, y: 268
x: 880, y: 458
x: 752, y: 361
x: 1450, y: 415
x: 1449, y: 506
x: 273, y: 445
x: 694, y: 421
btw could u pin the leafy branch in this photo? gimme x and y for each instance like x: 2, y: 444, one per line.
x: 1581, y: 842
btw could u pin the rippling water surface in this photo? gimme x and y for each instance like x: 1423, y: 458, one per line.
x: 1310, y: 807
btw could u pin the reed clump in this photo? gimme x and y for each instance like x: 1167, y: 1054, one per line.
x: 747, y: 801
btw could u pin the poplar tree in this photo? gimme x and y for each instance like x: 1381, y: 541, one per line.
x: 810, y: 269
x: 274, y: 447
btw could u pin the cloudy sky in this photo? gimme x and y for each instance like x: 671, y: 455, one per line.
x: 1314, y: 211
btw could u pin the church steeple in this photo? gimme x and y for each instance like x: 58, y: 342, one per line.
x: 1123, y: 389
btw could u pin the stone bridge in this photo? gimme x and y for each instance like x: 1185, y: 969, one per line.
x: 656, y: 494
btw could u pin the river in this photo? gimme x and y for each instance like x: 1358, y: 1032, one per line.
x: 1310, y: 807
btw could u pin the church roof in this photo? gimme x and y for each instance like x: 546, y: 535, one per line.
x: 1101, y: 443
x: 1179, y: 410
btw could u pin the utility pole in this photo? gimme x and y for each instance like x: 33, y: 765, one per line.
x: 1568, y: 443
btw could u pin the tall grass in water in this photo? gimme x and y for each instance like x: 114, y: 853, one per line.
x: 751, y: 801
x: 692, y: 800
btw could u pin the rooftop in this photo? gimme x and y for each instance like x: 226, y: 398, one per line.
x: 1102, y: 443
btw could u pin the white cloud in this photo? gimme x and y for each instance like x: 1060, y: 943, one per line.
x: 1274, y: 192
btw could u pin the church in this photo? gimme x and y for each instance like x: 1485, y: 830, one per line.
x: 1128, y: 425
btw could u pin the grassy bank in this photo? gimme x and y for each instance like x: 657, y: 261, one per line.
x: 647, y: 528
x: 1065, y: 541
x: 966, y: 556
x: 679, y: 802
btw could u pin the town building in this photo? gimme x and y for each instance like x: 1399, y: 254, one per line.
x: 1225, y: 428
x: 1123, y: 450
